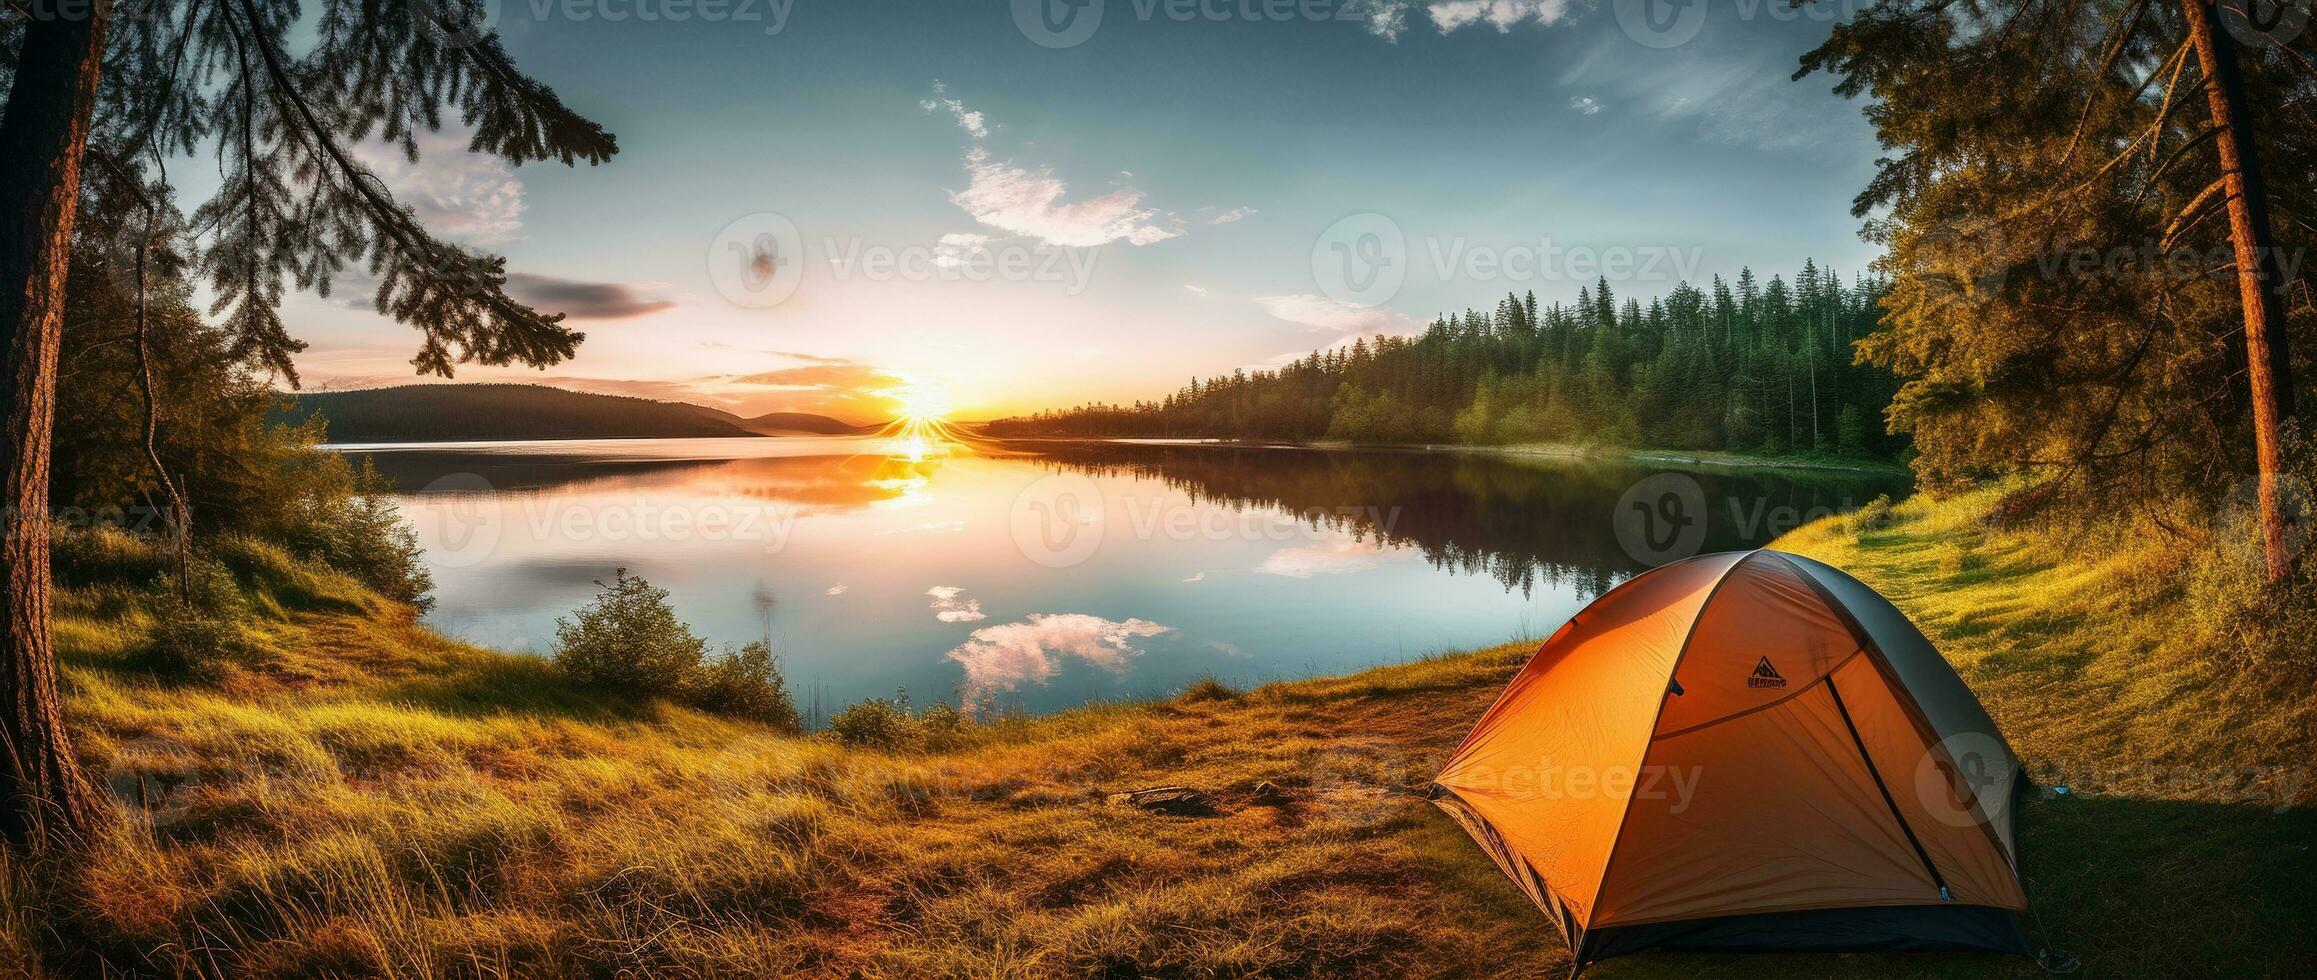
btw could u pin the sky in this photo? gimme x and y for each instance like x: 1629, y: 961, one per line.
x: 999, y: 206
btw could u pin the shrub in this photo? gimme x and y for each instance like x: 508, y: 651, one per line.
x: 877, y: 723
x: 193, y: 645
x: 890, y: 724
x: 745, y: 683
x: 1871, y: 518
x: 628, y: 639
x: 104, y: 555
x: 1207, y: 689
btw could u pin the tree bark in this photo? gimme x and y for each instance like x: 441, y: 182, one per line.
x: 44, y: 799
x: 2260, y: 277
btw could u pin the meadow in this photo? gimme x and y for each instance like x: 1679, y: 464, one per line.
x: 359, y: 796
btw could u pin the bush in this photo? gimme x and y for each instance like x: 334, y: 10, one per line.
x: 1207, y: 689
x: 628, y: 639
x: 193, y: 645
x: 1871, y: 518
x: 890, y: 724
x: 745, y: 683
x: 81, y: 557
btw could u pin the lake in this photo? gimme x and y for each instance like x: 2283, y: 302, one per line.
x: 1034, y: 576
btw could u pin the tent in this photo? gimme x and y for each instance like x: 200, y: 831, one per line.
x: 1746, y: 751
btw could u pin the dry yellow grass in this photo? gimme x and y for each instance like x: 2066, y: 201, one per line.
x: 380, y: 801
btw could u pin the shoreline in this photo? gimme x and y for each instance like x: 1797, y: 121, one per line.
x: 1553, y: 450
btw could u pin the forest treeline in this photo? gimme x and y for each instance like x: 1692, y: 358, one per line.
x: 1752, y: 366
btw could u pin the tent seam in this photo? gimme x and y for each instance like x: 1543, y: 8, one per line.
x: 1593, y: 907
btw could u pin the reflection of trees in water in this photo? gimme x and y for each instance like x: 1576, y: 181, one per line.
x: 1522, y: 521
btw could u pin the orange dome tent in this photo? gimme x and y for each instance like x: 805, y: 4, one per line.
x: 1746, y: 751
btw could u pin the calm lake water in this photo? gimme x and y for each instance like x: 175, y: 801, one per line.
x: 1036, y: 576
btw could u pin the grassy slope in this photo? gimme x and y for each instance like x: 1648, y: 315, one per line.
x: 385, y: 801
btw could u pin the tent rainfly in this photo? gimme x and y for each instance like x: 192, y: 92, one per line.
x: 1746, y: 751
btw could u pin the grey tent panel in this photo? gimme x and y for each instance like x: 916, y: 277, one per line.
x: 1955, y: 714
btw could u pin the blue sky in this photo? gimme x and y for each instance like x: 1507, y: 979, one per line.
x: 1143, y: 205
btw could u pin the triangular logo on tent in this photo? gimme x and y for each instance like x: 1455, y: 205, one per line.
x: 1765, y: 675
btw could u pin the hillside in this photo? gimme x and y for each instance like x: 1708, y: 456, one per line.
x: 375, y: 800
x: 491, y: 412
x: 784, y: 422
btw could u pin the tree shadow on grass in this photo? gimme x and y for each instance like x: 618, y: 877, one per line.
x: 2133, y: 887
x: 523, y: 685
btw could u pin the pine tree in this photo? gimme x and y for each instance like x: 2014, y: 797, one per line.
x: 295, y: 205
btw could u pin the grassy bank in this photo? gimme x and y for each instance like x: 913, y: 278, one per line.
x: 371, y: 799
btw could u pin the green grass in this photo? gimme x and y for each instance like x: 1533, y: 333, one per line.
x: 375, y: 800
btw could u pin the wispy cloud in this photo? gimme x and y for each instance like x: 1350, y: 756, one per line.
x: 1033, y: 202
x: 1585, y: 105
x: 950, y: 607
x: 967, y: 119
x: 1036, y: 203
x: 1232, y: 215
x: 1322, y: 313
x: 1009, y: 655
x: 837, y: 589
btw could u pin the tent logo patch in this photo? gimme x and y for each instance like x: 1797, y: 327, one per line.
x: 1765, y: 675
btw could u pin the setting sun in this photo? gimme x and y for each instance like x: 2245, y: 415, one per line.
x: 921, y: 401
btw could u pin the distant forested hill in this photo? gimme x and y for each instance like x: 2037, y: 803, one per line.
x: 479, y: 412
x: 1752, y: 367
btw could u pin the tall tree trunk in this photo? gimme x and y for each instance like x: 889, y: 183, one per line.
x: 43, y: 797
x: 2260, y: 278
